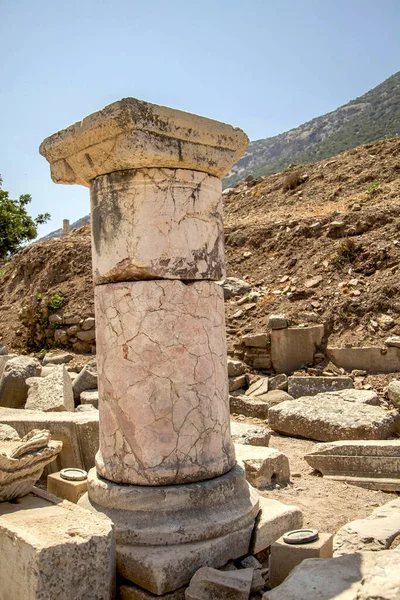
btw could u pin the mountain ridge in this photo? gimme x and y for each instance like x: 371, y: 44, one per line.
x: 371, y: 117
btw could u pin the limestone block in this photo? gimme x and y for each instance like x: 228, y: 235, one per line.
x: 64, y: 488
x: 90, y: 397
x: 333, y: 419
x: 22, y: 460
x: 13, y: 386
x: 371, y: 359
x: 164, y: 403
x: 383, y: 580
x: 256, y: 340
x: 132, y: 134
x: 393, y: 393
x: 54, y: 549
x: 274, y: 519
x: 157, y: 223
x: 257, y: 406
x: 4, y: 358
x: 351, y: 577
x: 89, y: 323
x: 234, y: 287
x: 294, y: 347
x: 279, y: 382
x: 277, y: 322
x: 310, y: 386
x: 258, y: 388
x: 79, y: 433
x: 375, y: 532
x: 166, y: 533
x: 52, y: 358
x: 235, y: 368
x: 284, y: 557
x: 264, y: 467
x: 254, y: 435
x: 369, y: 464
x: 248, y: 406
x: 211, y: 584
x: 52, y: 393
x: 86, y: 380
x: 235, y: 383
x: 86, y: 336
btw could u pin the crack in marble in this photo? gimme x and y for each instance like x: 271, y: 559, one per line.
x: 171, y: 402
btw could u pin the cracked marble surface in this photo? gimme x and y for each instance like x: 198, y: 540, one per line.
x: 157, y: 223
x: 164, y: 405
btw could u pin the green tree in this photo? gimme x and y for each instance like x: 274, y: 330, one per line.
x: 16, y: 226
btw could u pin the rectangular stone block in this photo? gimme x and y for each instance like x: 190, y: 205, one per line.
x: 250, y: 406
x: 310, y: 386
x: 369, y: 359
x: 257, y: 340
x: 63, y: 488
x: 274, y: 519
x: 284, y: 557
x: 294, y: 347
x: 165, y: 223
x: 79, y: 433
x: 366, y: 463
x: 54, y: 549
x: 331, y: 416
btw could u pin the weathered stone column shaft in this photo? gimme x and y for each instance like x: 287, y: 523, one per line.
x: 157, y: 224
x: 164, y: 407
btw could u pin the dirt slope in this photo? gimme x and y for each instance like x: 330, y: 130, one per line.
x: 321, y: 239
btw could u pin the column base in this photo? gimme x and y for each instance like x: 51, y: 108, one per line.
x: 165, y: 534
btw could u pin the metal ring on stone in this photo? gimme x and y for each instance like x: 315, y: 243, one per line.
x: 300, y: 536
x: 72, y: 474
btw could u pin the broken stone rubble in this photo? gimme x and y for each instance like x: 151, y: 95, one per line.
x: 86, y: 380
x: 245, y: 433
x: 264, y: 467
x: 13, y: 386
x: 211, y: 584
x: 51, y: 393
x: 79, y: 433
x: 22, y: 460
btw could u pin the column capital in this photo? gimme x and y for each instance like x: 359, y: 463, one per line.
x: 132, y: 134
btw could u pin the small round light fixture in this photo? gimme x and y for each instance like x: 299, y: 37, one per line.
x: 72, y: 474
x: 300, y: 536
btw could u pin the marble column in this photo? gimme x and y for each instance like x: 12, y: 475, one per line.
x: 165, y: 471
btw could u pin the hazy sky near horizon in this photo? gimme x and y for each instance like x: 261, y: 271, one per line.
x: 263, y: 65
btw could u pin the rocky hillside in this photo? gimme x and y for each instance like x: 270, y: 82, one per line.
x: 320, y: 243
x: 373, y: 116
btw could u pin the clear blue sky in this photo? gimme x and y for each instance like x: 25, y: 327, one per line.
x: 263, y: 65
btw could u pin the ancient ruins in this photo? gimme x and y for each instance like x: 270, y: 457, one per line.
x: 166, y: 457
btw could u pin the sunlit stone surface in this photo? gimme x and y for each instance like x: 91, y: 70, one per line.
x: 164, y: 407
